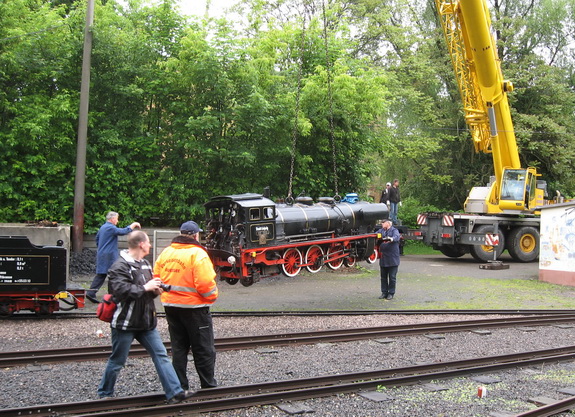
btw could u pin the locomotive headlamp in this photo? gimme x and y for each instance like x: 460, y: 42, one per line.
x: 232, y: 260
x: 253, y: 254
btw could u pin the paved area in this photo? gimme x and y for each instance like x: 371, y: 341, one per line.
x: 424, y: 282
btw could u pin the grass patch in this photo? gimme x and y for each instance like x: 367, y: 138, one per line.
x: 466, y: 293
x: 460, y: 399
x: 413, y: 247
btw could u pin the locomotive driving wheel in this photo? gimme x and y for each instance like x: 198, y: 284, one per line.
x: 350, y: 261
x: 314, y: 257
x: 292, y: 262
x: 372, y: 258
x: 331, y: 252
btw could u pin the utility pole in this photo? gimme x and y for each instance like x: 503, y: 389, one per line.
x: 80, y: 182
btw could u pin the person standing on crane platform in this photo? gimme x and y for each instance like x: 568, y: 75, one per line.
x: 394, y: 201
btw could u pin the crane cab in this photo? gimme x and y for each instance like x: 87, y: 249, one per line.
x: 518, y: 190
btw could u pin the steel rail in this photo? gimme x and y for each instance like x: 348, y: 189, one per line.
x: 550, y: 409
x: 77, y: 314
x: 385, y: 312
x: 218, y: 399
x: 245, y: 342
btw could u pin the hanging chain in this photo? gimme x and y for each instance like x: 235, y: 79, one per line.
x: 330, y: 100
x: 289, y: 198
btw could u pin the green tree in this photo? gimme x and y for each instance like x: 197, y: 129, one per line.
x: 38, y: 51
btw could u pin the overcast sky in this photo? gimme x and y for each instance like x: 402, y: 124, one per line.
x: 198, y: 7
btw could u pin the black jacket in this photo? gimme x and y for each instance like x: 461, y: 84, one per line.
x: 136, y: 310
x: 384, y: 196
x: 394, y: 194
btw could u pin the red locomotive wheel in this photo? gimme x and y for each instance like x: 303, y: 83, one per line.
x: 292, y: 262
x: 350, y: 261
x: 314, y: 257
x: 372, y: 258
x: 336, y: 263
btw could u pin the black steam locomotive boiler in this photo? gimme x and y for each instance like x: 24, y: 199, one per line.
x: 250, y: 237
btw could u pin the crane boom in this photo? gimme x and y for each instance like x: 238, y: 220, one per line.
x: 467, y: 28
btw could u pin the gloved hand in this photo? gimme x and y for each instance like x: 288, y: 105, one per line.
x: 387, y: 202
x: 400, y: 204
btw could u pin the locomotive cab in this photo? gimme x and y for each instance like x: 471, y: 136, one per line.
x: 239, y: 221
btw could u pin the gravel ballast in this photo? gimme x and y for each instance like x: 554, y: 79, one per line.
x: 421, y: 282
x: 54, y: 383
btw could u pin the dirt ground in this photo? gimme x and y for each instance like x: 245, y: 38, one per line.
x: 424, y: 282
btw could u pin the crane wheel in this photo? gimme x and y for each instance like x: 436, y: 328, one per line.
x: 523, y: 244
x: 453, y: 251
x: 484, y: 253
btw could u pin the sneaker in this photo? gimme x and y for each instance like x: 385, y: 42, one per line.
x: 92, y: 299
x: 389, y: 297
x: 382, y: 296
x: 182, y: 396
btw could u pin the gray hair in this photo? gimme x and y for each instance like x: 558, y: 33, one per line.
x: 111, y: 215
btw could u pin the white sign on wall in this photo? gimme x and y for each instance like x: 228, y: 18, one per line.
x: 557, y: 238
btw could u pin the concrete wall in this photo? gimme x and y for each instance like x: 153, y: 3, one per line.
x: 160, y: 239
x: 38, y: 235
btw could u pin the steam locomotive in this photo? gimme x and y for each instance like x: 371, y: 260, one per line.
x: 34, y: 278
x: 249, y: 237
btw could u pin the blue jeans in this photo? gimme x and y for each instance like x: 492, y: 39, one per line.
x: 393, y: 212
x: 150, y: 339
x: 388, y: 279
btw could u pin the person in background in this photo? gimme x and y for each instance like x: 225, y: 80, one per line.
x: 134, y: 290
x: 389, y: 259
x: 394, y: 200
x: 186, y: 267
x: 107, y: 246
x: 385, y: 194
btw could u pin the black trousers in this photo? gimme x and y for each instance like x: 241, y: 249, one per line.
x: 192, y: 329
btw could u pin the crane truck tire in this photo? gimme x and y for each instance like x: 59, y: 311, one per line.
x: 523, y: 244
x: 484, y: 253
x: 453, y: 251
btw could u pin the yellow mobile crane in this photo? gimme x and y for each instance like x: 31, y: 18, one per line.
x: 505, y: 216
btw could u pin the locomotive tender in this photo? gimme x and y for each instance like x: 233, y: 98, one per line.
x: 249, y: 237
x: 34, y: 278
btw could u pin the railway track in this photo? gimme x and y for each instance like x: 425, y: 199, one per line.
x: 77, y: 315
x: 239, y: 396
x: 8, y: 359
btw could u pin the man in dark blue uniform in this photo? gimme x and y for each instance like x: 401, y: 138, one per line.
x: 389, y: 258
x: 108, y: 252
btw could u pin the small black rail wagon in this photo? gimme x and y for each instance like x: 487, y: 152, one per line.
x: 34, y: 278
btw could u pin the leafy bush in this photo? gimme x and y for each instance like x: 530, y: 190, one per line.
x: 409, y: 210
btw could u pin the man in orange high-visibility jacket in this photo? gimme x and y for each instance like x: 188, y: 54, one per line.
x: 190, y: 288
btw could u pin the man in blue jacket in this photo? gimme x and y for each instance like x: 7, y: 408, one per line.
x: 389, y: 258
x: 107, y: 244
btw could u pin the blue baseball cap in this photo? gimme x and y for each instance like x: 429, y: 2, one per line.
x: 190, y: 228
